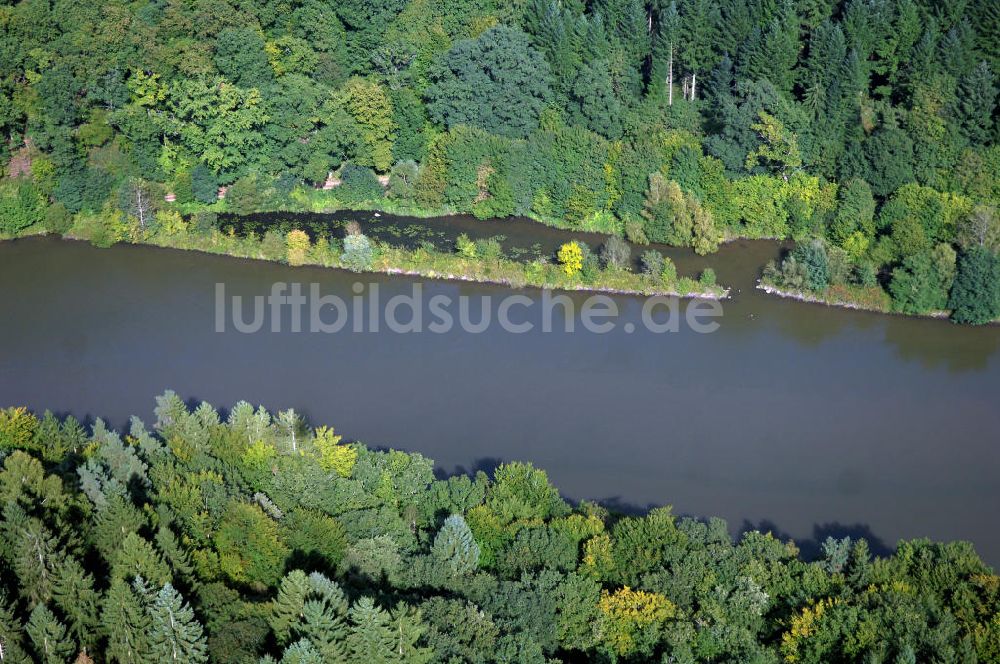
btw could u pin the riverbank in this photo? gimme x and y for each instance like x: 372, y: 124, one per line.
x: 842, y: 298
x: 433, y: 264
x: 832, y: 299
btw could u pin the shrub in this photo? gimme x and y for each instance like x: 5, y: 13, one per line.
x: 272, y: 246
x: 490, y: 250
x: 866, y: 274
x: 183, y: 188
x: 634, y: 231
x: 687, y: 285
x: 813, y: 258
x: 402, y: 179
x: 204, y: 185
x: 652, y: 263
x: 297, y: 247
x: 58, y: 219
x: 250, y: 194
x: 591, y: 263
x: 975, y: 295
x: 668, y: 274
x: 465, y: 247
x: 571, y: 258
x: 103, y: 230
x: 358, y: 253
x: 616, y: 253
x: 204, y: 222
x: 170, y: 222
x: 707, y: 277
x: 21, y: 205
x: 359, y: 184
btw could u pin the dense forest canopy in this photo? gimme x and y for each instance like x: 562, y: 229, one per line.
x: 247, y: 538
x: 868, y: 127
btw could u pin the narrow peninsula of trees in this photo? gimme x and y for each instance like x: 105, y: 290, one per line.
x: 253, y: 538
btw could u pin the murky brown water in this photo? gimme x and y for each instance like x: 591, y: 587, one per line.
x: 805, y: 419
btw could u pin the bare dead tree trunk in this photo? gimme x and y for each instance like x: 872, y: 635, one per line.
x: 693, y: 79
x: 670, y: 77
x: 140, y: 207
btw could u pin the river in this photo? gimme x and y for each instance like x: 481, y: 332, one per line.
x: 798, y: 418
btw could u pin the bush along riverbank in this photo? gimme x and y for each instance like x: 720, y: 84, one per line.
x: 962, y: 286
x: 251, y: 537
x: 577, y: 266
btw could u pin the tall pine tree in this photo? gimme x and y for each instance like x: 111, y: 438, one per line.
x: 48, y: 635
x: 175, y: 635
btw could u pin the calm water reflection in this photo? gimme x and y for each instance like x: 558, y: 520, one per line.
x: 797, y: 417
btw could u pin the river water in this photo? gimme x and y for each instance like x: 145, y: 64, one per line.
x: 798, y: 418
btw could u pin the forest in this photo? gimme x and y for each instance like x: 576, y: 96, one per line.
x: 866, y: 130
x: 247, y: 537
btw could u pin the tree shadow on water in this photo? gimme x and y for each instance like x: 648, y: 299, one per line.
x: 811, y: 548
x: 483, y: 464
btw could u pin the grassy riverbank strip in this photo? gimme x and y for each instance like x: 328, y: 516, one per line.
x: 502, y: 271
x: 433, y: 264
x: 845, y: 297
x: 492, y: 268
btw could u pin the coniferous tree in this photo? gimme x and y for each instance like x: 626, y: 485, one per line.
x: 596, y: 102
x: 48, y: 636
x: 113, y: 523
x: 313, y: 608
x: 300, y: 652
x: 73, y: 593
x: 975, y: 296
x: 372, y: 638
x: 665, y: 49
x: 174, y: 553
x: 11, y: 635
x: 125, y: 623
x: 32, y: 552
x: 286, y: 610
x: 175, y: 635
x: 977, y: 94
x: 454, y: 546
x: 136, y: 557
x: 889, y: 153
x: 408, y: 629
x: 699, y: 27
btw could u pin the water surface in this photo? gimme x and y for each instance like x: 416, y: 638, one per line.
x: 800, y: 418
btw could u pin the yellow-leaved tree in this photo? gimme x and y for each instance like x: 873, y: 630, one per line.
x: 630, y: 621
x: 332, y: 455
x: 571, y: 258
x: 298, y: 245
x: 17, y: 428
